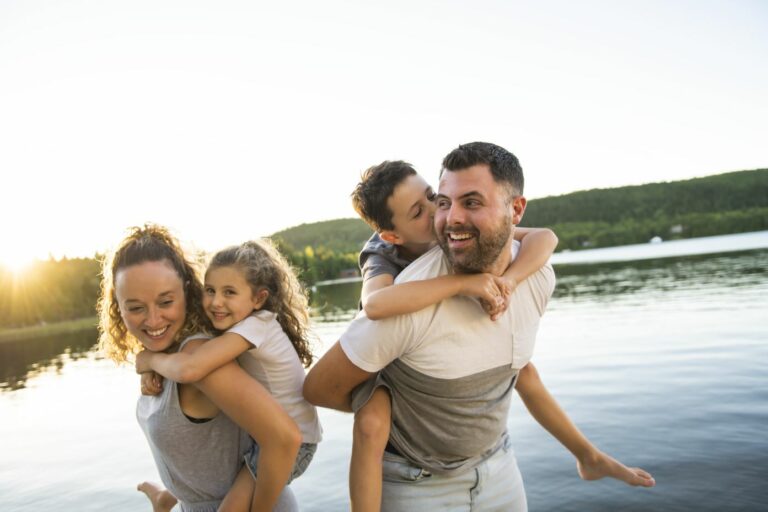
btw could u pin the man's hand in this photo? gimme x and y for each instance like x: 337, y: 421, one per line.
x: 151, y: 384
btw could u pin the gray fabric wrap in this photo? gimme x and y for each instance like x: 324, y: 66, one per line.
x: 446, y: 426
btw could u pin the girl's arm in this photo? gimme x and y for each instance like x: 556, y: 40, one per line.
x: 536, y: 247
x: 382, y: 299
x: 250, y: 405
x: 187, y: 367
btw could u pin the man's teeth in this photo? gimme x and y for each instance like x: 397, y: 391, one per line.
x: 460, y: 236
x: 157, y: 332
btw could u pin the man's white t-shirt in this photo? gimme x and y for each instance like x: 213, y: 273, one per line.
x: 456, y: 337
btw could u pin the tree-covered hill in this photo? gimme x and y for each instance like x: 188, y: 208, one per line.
x: 725, y: 203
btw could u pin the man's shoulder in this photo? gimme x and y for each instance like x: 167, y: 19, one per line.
x: 432, y: 263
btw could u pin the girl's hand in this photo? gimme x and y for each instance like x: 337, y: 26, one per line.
x: 151, y: 384
x: 142, y: 361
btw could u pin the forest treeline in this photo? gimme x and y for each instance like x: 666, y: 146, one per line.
x: 734, y: 202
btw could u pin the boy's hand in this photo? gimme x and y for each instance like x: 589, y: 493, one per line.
x: 151, y: 384
x: 491, y: 290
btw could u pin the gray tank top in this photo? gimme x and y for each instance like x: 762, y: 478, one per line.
x: 197, y: 462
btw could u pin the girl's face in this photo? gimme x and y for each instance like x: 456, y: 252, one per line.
x: 152, y: 303
x: 228, y: 297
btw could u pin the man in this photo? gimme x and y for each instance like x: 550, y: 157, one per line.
x: 449, y: 369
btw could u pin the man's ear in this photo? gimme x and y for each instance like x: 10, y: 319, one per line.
x: 518, y: 208
x: 390, y: 236
x: 260, y: 298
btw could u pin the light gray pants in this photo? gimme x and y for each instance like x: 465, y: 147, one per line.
x: 494, y: 485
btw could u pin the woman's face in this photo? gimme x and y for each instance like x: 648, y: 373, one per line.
x: 152, y: 303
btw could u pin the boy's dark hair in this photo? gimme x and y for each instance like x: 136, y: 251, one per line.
x: 505, y: 167
x: 377, y: 183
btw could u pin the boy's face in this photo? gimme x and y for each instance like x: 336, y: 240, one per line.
x: 412, y: 207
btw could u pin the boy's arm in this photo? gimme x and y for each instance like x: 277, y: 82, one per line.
x: 592, y: 464
x: 382, y: 299
x: 184, y: 367
x: 536, y: 247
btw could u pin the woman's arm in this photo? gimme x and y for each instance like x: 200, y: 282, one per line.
x: 187, y: 366
x: 382, y: 299
x: 536, y: 247
x: 254, y: 410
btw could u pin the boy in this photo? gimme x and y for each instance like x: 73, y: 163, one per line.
x: 397, y: 203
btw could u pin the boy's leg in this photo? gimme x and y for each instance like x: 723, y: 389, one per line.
x: 239, y: 497
x: 162, y: 499
x: 369, y: 439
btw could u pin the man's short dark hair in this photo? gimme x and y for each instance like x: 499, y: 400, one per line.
x: 376, y: 185
x: 505, y: 167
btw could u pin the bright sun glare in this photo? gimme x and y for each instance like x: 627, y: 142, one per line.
x: 16, y: 263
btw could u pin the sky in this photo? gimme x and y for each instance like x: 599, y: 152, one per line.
x: 231, y: 120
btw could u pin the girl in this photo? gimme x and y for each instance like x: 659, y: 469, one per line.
x: 256, y: 303
x: 152, y: 298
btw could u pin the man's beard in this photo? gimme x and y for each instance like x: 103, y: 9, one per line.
x: 483, y: 253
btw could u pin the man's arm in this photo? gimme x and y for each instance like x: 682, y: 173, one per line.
x: 592, y: 464
x: 330, y: 382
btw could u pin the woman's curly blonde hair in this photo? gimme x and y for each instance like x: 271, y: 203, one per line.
x: 265, y: 268
x: 150, y: 242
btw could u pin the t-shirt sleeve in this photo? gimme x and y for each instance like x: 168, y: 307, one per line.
x: 373, y: 344
x: 375, y: 265
x: 252, y: 329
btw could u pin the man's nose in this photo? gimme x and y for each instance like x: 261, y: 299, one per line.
x: 455, y: 214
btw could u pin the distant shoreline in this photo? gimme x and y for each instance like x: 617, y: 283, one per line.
x: 49, y: 329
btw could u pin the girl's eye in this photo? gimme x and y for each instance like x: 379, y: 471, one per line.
x: 209, y: 291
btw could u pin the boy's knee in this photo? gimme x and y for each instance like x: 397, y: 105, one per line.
x: 371, y: 426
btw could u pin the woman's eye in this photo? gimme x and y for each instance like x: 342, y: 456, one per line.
x: 431, y: 197
x: 166, y: 303
x: 418, y: 213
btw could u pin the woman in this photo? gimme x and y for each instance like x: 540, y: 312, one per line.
x: 151, y: 298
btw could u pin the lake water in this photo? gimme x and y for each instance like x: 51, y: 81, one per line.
x: 663, y: 363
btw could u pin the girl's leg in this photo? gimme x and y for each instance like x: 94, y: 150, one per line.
x: 370, y: 435
x: 162, y: 499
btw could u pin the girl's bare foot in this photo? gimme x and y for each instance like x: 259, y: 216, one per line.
x: 601, y: 465
x: 162, y: 500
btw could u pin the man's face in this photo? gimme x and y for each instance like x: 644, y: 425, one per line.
x: 474, y: 220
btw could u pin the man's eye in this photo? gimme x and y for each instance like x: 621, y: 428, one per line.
x: 442, y: 203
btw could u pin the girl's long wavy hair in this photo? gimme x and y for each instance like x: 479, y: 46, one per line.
x: 142, y: 244
x: 265, y: 268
